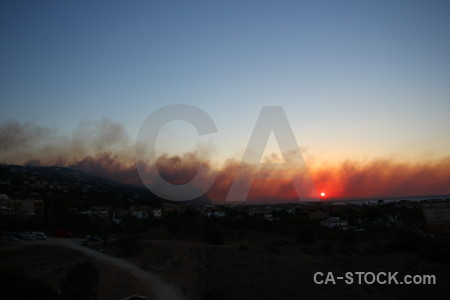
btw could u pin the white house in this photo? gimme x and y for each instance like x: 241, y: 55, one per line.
x: 333, y: 222
x: 218, y: 214
x: 157, y: 213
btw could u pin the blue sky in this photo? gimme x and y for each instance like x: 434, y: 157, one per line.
x: 356, y: 78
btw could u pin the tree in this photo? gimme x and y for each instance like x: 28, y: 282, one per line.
x: 326, y: 246
x: 214, y: 235
x: 132, y: 224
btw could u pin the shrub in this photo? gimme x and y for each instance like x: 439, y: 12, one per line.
x: 435, y: 250
x: 16, y: 284
x: 214, y: 235
x: 405, y: 241
x: 326, y: 247
x: 80, y: 281
x: 305, y: 236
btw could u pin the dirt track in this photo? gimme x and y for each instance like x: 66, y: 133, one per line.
x: 162, y: 289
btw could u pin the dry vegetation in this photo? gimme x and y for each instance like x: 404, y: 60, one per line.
x: 277, y: 266
x: 51, y: 263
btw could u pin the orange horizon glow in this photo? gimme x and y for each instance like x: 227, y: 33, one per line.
x: 381, y: 177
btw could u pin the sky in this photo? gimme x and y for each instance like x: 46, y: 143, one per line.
x: 362, y: 83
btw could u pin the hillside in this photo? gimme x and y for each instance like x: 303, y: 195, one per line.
x: 74, y: 188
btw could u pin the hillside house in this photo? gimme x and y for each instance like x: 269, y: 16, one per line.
x: 334, y: 222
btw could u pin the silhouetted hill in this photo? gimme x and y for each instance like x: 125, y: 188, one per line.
x: 75, y: 187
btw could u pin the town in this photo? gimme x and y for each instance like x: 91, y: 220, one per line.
x: 52, y: 198
x: 196, y: 243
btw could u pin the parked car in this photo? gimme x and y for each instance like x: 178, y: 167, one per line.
x: 9, y: 236
x: 135, y: 297
x: 12, y: 238
x: 26, y: 236
x: 17, y: 236
x: 91, y: 238
x: 39, y: 235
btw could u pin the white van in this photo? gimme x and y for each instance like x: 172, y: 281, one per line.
x: 39, y: 235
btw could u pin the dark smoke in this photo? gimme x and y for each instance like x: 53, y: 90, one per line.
x: 104, y: 149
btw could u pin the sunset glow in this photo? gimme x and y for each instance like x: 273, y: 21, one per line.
x: 225, y: 149
x: 369, y: 120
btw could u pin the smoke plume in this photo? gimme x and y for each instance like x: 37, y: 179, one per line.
x: 104, y: 149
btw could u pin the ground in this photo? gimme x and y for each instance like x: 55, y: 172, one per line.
x: 275, y: 266
x: 51, y: 263
x: 261, y: 266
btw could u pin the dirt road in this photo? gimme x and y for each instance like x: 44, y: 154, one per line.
x: 162, y: 289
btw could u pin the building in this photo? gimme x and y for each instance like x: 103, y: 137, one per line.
x: 20, y: 208
x: 32, y: 207
x: 437, y: 216
x: 334, y: 222
x: 97, y: 211
x: 140, y: 212
x: 157, y: 213
x: 7, y: 207
x: 217, y: 214
x: 318, y: 215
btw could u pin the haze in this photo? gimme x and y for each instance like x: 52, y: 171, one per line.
x: 365, y: 87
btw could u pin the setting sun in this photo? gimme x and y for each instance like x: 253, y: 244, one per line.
x: 322, y: 194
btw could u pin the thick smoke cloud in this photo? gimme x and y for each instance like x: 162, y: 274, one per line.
x: 384, y: 178
x: 104, y: 149
x: 15, y: 135
x: 25, y: 143
x: 109, y: 166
